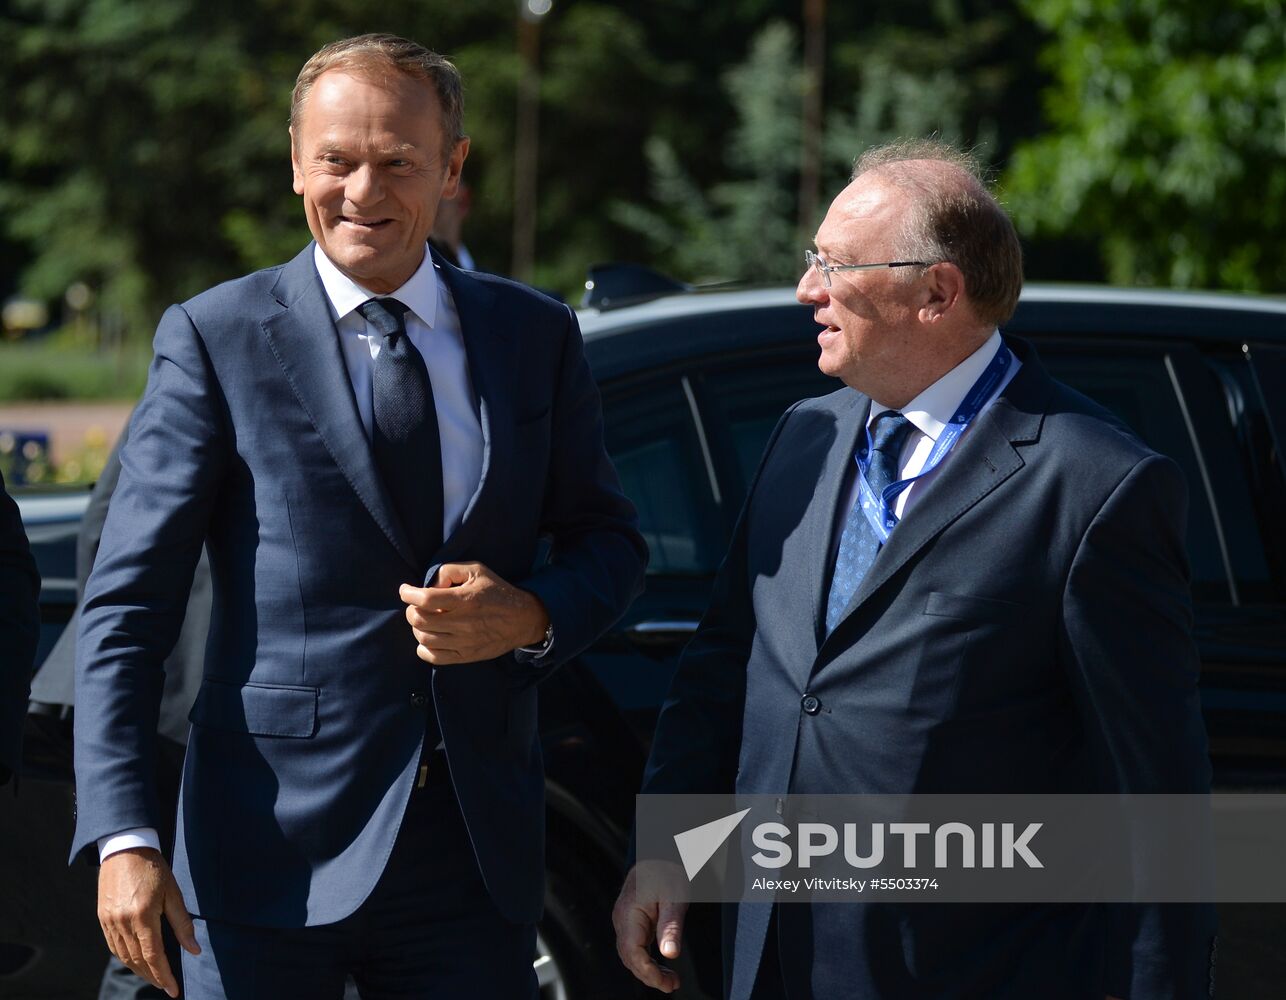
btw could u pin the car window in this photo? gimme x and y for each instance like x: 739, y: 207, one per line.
x: 1250, y: 392
x: 653, y: 443
x: 1138, y: 389
x: 747, y: 400
x: 1269, y: 368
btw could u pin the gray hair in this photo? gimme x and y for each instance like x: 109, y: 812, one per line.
x: 381, y: 55
x: 953, y: 218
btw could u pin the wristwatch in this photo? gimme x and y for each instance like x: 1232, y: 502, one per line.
x: 543, y: 647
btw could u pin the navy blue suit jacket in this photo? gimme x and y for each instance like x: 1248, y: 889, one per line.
x: 308, y: 726
x: 1027, y: 628
x: 19, y: 630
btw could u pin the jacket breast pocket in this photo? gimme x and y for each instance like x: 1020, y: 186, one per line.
x: 971, y: 609
x: 257, y: 709
x: 975, y: 655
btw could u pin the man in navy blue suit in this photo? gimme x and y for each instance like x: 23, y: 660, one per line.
x: 19, y: 631
x: 954, y: 575
x: 372, y: 445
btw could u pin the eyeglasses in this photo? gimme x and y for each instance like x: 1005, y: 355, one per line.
x: 812, y: 260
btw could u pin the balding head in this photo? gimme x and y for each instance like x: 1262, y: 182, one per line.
x: 953, y: 218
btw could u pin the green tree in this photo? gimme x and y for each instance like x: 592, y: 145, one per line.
x: 134, y: 161
x: 143, y: 146
x: 959, y: 74
x: 743, y: 227
x: 596, y: 66
x: 1167, y: 141
x: 945, y: 75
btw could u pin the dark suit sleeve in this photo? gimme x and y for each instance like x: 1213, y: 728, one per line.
x: 597, y: 556
x: 1127, y: 621
x: 698, y: 735
x: 19, y: 631
x: 137, y: 593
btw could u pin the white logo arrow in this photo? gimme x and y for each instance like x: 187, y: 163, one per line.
x: 697, y: 846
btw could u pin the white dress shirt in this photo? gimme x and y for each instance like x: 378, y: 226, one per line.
x: 929, y: 413
x: 433, y: 325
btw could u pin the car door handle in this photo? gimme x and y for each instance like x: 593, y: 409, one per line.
x: 661, y: 631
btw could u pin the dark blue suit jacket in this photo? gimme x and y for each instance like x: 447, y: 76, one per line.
x: 309, y: 722
x: 1027, y: 628
x: 19, y: 630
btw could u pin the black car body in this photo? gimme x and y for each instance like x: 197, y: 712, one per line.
x: 692, y: 385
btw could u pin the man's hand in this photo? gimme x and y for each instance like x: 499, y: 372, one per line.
x: 135, y: 887
x: 640, y: 913
x: 470, y: 614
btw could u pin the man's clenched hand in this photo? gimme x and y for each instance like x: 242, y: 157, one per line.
x: 135, y: 887
x: 470, y: 614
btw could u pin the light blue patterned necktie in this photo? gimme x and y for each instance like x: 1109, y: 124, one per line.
x: 859, y: 545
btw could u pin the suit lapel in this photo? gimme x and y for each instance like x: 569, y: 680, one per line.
x: 976, y: 467
x: 305, y: 342
x: 493, y: 370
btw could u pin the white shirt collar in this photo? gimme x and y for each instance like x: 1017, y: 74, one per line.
x: 419, y: 294
x: 932, y: 409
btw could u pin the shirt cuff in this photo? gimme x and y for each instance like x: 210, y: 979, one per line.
x: 140, y: 836
x: 531, y: 654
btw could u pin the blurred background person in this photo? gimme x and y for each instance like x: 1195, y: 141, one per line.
x: 447, y: 237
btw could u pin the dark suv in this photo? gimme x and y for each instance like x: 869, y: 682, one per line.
x: 692, y: 385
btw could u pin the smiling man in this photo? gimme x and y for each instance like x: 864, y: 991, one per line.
x: 954, y: 575
x: 372, y: 444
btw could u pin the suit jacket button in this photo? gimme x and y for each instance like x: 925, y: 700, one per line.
x: 810, y: 704
x: 419, y: 699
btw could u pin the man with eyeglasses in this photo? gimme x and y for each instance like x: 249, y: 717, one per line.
x: 955, y: 575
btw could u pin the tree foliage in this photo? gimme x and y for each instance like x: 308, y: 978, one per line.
x: 143, y: 143
x: 943, y: 71
x: 743, y: 227
x: 143, y: 147
x: 1167, y: 140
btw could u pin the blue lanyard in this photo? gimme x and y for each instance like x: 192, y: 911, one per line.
x: 879, y: 510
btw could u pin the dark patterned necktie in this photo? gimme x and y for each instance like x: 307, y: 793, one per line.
x: 408, y: 451
x: 859, y: 544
